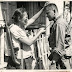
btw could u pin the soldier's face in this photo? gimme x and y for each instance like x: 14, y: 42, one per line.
x: 50, y: 14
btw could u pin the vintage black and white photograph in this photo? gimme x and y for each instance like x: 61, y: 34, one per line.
x: 36, y: 35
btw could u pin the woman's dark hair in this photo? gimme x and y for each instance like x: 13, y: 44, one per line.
x: 18, y: 14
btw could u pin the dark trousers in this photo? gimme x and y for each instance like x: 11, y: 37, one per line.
x: 56, y: 57
x: 27, y: 63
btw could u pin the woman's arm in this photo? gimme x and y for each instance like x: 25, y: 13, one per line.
x: 31, y: 41
x: 30, y: 21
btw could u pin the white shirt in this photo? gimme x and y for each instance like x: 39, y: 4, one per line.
x: 17, y: 32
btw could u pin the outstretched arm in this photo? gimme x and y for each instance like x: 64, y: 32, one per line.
x: 30, y: 41
x: 21, y: 35
x: 30, y: 21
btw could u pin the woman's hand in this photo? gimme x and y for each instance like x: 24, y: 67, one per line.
x: 46, y: 4
x: 42, y: 30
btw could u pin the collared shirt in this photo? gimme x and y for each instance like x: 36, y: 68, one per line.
x: 17, y: 33
x: 61, y: 26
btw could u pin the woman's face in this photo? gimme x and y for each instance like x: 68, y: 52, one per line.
x: 24, y: 20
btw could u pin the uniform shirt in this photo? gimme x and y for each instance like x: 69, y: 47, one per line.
x: 52, y: 37
x: 61, y: 26
x: 17, y: 33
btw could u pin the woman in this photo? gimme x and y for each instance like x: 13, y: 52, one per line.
x: 17, y: 29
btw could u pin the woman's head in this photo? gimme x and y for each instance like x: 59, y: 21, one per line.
x: 20, y: 16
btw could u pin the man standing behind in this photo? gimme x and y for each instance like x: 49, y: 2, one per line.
x: 57, y: 37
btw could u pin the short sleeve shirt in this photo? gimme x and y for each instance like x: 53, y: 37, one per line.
x: 17, y: 32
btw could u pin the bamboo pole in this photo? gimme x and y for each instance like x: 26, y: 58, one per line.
x: 2, y: 64
x: 22, y: 59
x: 42, y: 51
x: 45, y: 53
x: 46, y: 38
x: 46, y: 59
x: 39, y: 53
x: 71, y: 29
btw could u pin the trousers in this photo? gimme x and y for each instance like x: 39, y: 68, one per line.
x: 27, y: 63
x: 60, y: 62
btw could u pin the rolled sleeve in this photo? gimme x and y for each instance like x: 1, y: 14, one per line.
x: 17, y: 32
x: 60, y: 38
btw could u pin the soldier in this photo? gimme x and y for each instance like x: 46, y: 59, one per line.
x: 57, y: 37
